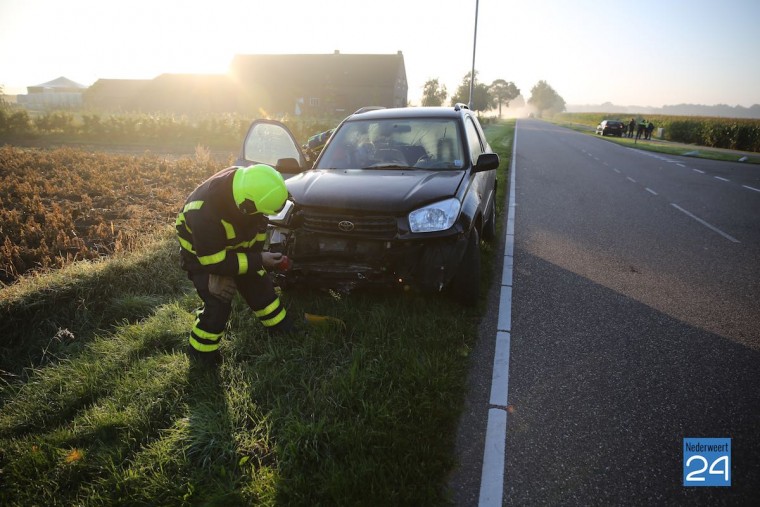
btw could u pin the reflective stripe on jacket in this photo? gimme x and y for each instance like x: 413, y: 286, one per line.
x: 214, y: 235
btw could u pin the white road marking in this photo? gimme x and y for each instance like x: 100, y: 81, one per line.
x: 654, y: 155
x: 721, y: 179
x: 651, y: 191
x: 499, y: 378
x: 630, y: 179
x: 617, y: 170
x: 505, y: 309
x: 506, y: 273
x: 698, y: 171
x: 751, y: 188
x: 494, y: 453
x: 711, y: 227
x: 492, y: 477
x: 680, y: 165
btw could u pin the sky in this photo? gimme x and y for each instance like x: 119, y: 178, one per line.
x: 635, y: 52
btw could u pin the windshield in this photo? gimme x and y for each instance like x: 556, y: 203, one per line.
x: 425, y: 143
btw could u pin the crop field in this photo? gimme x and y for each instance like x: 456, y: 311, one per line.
x: 62, y: 205
x: 99, y: 404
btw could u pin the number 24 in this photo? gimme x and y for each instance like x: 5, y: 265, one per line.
x: 712, y: 471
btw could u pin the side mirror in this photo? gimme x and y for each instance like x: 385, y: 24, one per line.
x: 288, y: 165
x: 486, y: 162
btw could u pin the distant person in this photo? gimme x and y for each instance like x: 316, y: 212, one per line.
x: 641, y: 130
x: 631, y: 127
x: 650, y: 128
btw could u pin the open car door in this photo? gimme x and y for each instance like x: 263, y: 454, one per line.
x: 270, y: 142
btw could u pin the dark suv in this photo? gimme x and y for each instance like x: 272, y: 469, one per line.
x: 611, y: 128
x: 397, y: 198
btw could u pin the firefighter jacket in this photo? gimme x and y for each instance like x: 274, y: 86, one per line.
x: 214, y: 235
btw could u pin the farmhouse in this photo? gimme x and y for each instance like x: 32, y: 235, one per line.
x: 170, y: 93
x: 61, y: 93
x: 115, y: 94
x: 322, y: 84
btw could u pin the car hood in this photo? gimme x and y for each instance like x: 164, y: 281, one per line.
x: 391, y: 190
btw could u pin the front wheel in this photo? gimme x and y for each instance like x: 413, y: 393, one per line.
x: 465, y: 286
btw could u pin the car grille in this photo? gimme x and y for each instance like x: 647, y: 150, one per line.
x: 358, y: 226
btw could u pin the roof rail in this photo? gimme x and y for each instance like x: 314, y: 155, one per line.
x: 460, y: 105
x: 368, y: 108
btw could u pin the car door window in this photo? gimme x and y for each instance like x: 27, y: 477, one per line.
x: 269, y: 142
x: 473, y: 139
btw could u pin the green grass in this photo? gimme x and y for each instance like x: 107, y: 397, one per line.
x: 99, y: 405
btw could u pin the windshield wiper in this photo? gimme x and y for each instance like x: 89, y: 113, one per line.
x: 388, y: 166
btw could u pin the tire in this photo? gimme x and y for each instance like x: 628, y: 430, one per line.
x: 465, y: 286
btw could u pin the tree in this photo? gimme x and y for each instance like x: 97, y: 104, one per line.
x: 544, y: 98
x: 482, y: 100
x: 433, y: 93
x: 503, y: 92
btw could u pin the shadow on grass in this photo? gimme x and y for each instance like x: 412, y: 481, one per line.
x: 48, y: 317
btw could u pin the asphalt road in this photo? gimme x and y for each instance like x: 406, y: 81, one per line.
x: 635, y: 324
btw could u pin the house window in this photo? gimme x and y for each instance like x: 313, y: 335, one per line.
x: 314, y: 101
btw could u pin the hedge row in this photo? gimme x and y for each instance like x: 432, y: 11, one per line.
x: 217, y: 131
x: 729, y: 133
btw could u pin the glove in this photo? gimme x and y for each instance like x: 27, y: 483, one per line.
x: 270, y: 260
x: 222, y: 287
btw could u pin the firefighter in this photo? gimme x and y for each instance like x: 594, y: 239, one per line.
x: 221, y: 231
x: 641, y: 131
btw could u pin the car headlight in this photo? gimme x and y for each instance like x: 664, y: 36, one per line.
x: 435, y: 217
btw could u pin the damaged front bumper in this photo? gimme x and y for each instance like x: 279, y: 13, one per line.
x: 344, y: 263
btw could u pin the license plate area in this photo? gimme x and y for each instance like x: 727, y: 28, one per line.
x: 316, y: 245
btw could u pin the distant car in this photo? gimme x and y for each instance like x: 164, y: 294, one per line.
x: 611, y: 128
x: 397, y: 198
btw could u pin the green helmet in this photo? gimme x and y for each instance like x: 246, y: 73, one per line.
x: 259, y: 189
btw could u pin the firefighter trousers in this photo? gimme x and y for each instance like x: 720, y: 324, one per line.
x: 258, y: 292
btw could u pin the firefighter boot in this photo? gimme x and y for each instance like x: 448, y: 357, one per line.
x: 324, y: 322
x: 204, y: 359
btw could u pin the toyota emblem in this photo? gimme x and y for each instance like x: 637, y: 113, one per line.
x: 346, y: 226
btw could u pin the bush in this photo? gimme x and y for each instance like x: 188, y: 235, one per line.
x: 16, y: 123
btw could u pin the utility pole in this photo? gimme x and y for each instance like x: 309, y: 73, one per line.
x: 474, y: 43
